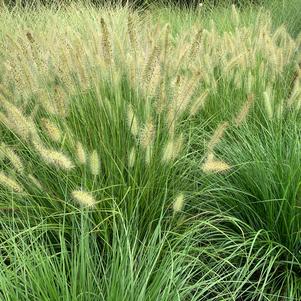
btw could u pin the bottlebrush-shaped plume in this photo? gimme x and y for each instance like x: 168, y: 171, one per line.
x: 11, y: 155
x: 172, y: 148
x: 179, y: 203
x: 10, y: 183
x: 147, y: 135
x: 35, y: 181
x: 83, y: 198
x: 132, y: 121
x: 80, y: 153
x: 15, y: 120
x: 217, y: 136
x: 199, y: 103
x: 242, y: 115
x: 53, y: 157
x: 267, y: 97
x: 52, y: 130
x: 94, y: 163
x: 106, y: 43
x: 213, y: 165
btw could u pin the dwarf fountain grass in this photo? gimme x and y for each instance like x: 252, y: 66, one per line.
x: 12, y: 157
x: 178, y: 203
x: 35, y: 181
x: 83, y: 198
x: 131, y: 95
x: 52, y: 130
x: 147, y: 134
x: 81, y: 258
x: 242, y: 115
x: 132, y: 121
x: 10, y: 183
x: 53, y: 157
x: 94, y: 163
x: 217, y: 136
x: 81, y: 153
x: 198, y: 103
x: 212, y: 165
x: 264, y: 195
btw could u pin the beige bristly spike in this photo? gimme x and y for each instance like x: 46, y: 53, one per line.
x: 10, y: 183
x: 16, y: 121
x: 35, y: 181
x: 148, y: 154
x: 213, y: 165
x: 172, y: 148
x: 84, y: 198
x: 267, y: 96
x: 199, y: 103
x: 147, y: 135
x: 132, y: 121
x: 94, y: 163
x: 106, y: 43
x: 149, y: 68
x: 154, y: 81
x: 52, y: 130
x: 80, y: 153
x: 242, y: 115
x: 52, y: 157
x: 132, y: 34
x: 217, y: 135
x: 179, y: 203
x: 12, y: 157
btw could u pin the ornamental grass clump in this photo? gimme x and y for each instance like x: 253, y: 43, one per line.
x: 105, y: 110
x: 84, y: 198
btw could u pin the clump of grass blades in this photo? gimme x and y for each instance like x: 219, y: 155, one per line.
x: 102, y: 131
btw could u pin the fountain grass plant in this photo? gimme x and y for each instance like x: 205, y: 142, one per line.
x: 146, y: 160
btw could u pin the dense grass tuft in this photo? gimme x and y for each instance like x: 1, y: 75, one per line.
x: 150, y: 155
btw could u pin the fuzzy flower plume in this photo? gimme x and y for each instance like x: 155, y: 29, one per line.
x: 172, y: 148
x: 132, y: 121
x: 53, y: 157
x: 198, y: 104
x: 52, y: 130
x: 267, y: 97
x: 242, y: 115
x: 11, y: 155
x: 106, y: 44
x: 84, y: 198
x: 132, y: 34
x: 178, y: 203
x: 217, y: 135
x: 80, y: 153
x: 15, y: 120
x: 147, y: 134
x: 213, y: 165
x: 35, y: 181
x: 10, y: 183
x: 94, y: 163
